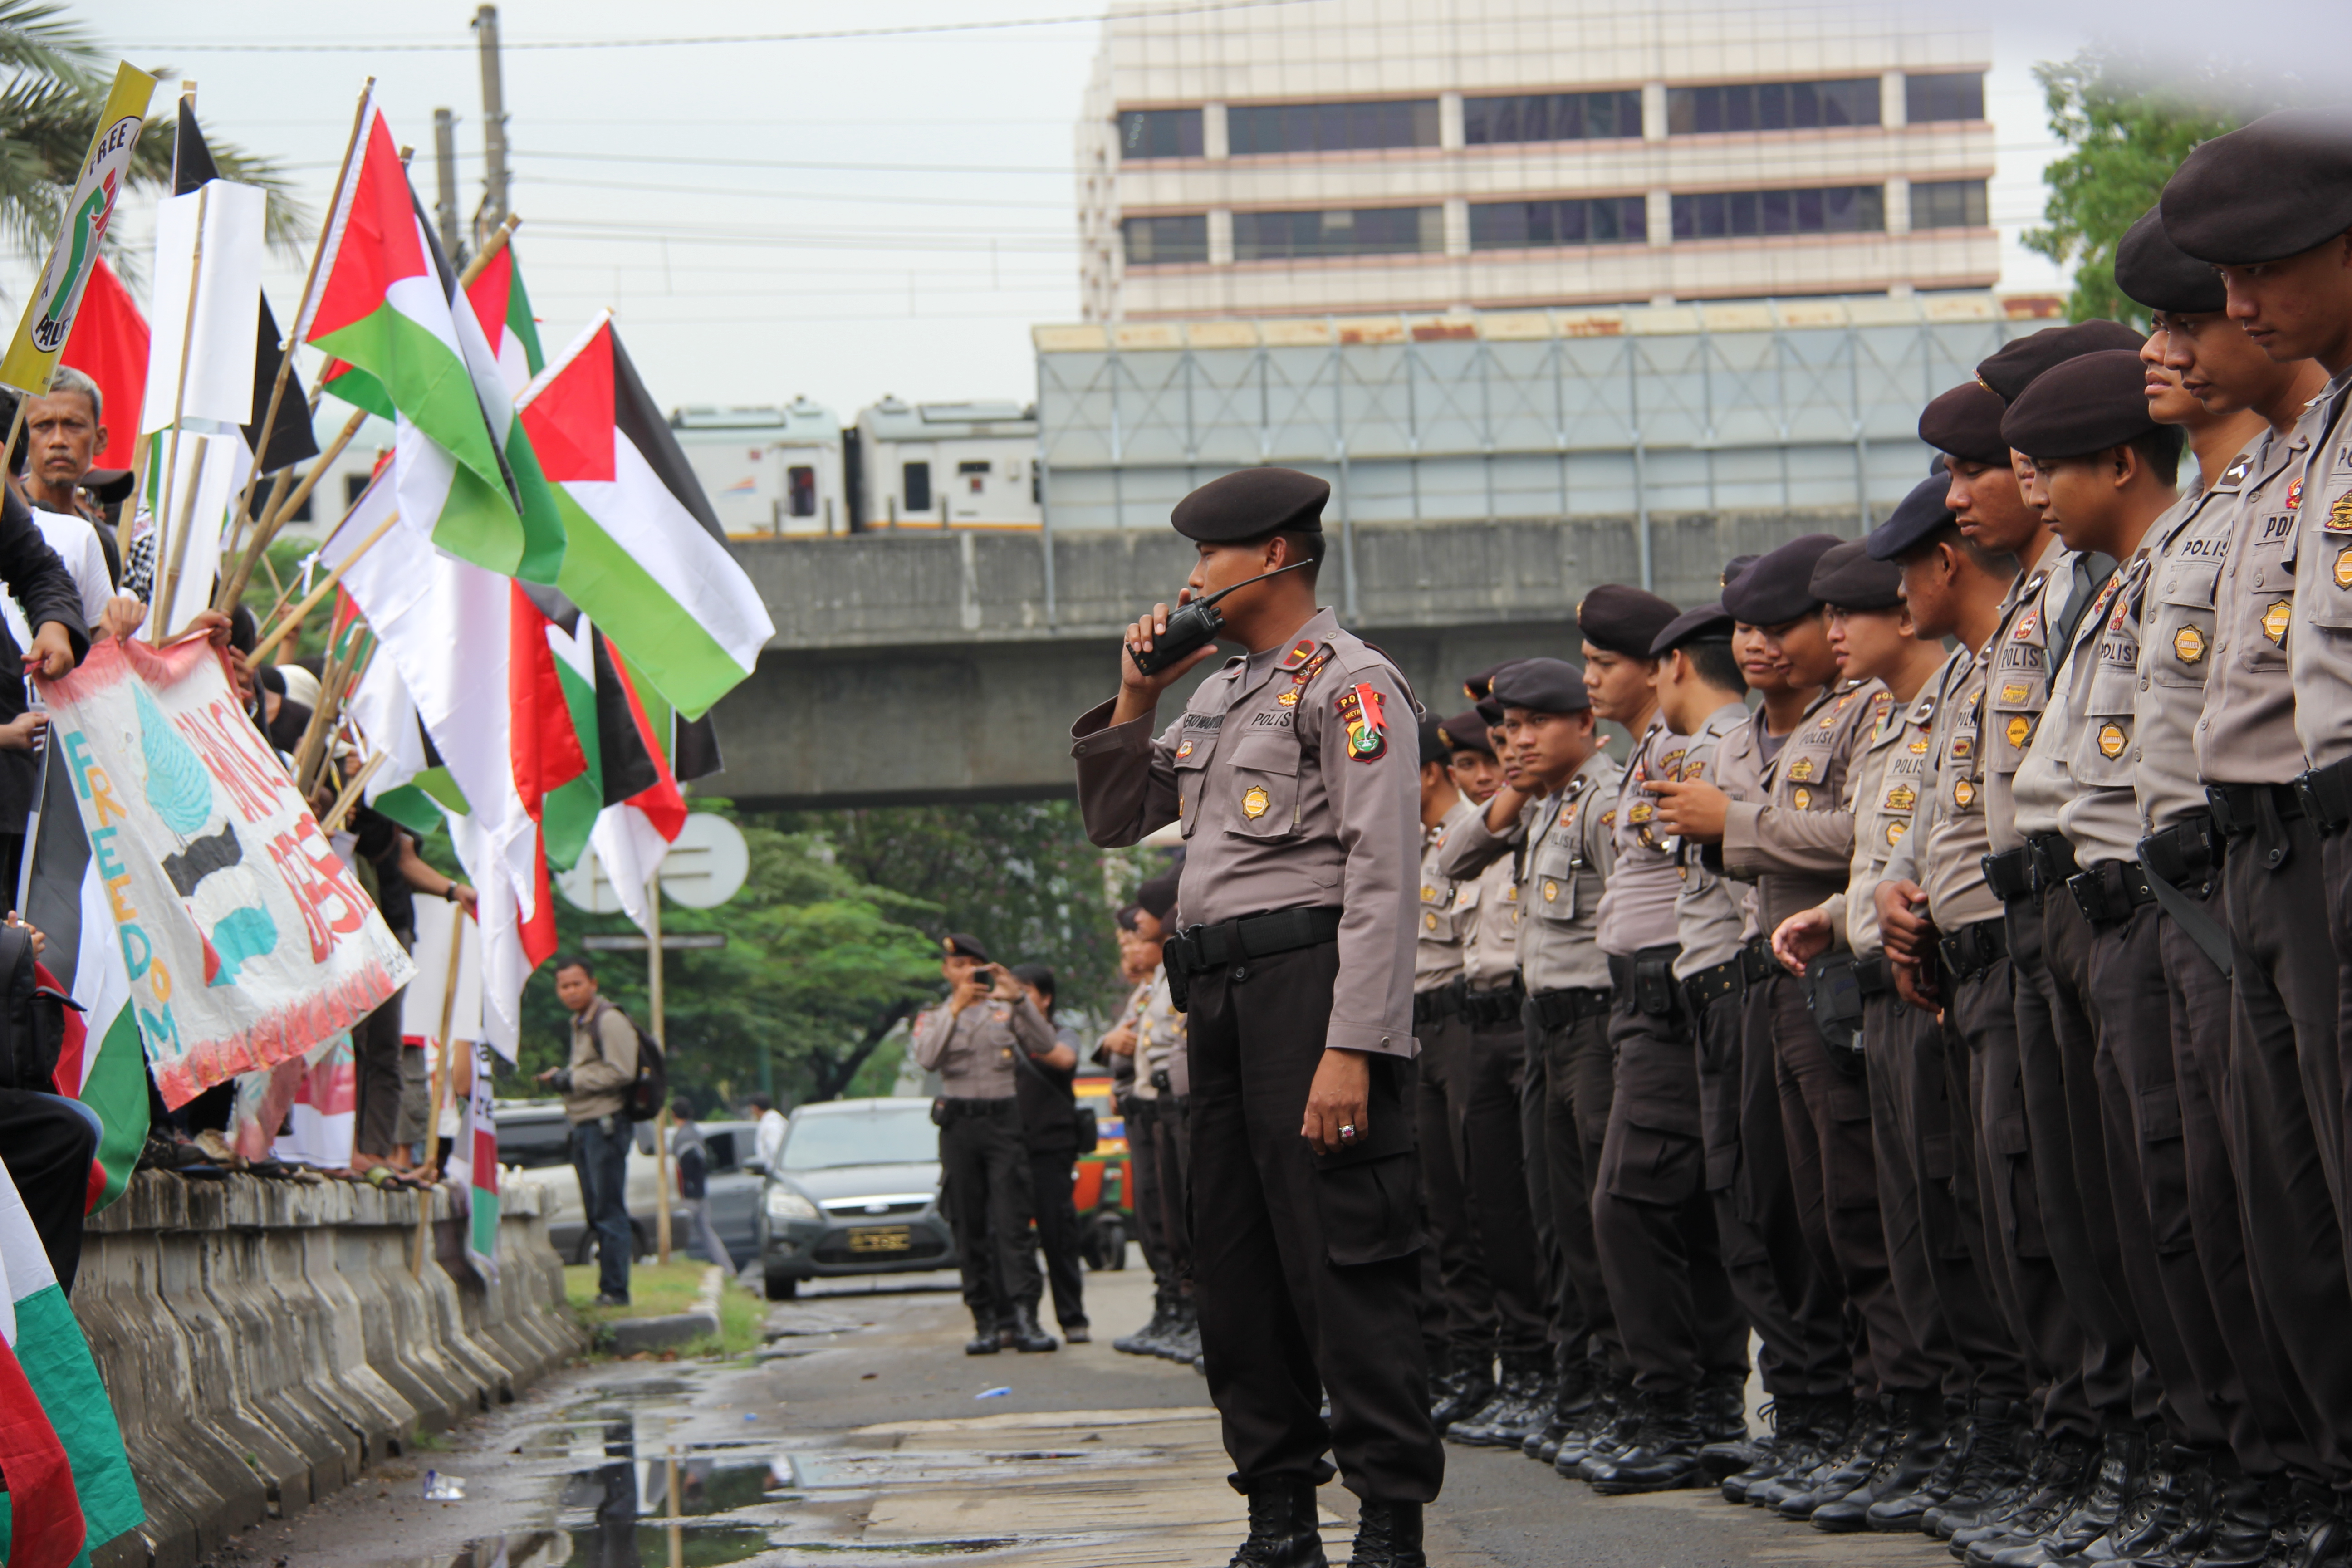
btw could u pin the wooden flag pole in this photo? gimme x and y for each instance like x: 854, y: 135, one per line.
x: 180, y: 398
x: 310, y: 600
x: 491, y: 249
x: 653, y: 1000
x: 345, y: 802
x: 440, y: 1084
x: 303, y: 308
x: 233, y: 582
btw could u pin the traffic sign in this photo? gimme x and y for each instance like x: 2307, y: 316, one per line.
x: 704, y: 869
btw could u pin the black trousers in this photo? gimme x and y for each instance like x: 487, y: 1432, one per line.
x: 1578, y: 1082
x: 1171, y: 1132
x: 46, y: 1145
x: 1050, y: 1179
x: 1825, y: 1116
x: 1305, y: 1268
x: 1142, y: 1122
x: 1494, y: 1163
x: 1944, y: 1149
x: 375, y: 1053
x: 1652, y: 1219
x: 1890, y: 1033
x: 2284, y: 1110
x: 1798, y: 1306
x: 985, y: 1165
x: 1457, y: 1304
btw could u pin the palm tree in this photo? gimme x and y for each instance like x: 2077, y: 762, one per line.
x: 53, y: 84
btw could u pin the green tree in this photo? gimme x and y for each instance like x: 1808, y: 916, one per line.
x: 54, y: 79
x: 2127, y: 125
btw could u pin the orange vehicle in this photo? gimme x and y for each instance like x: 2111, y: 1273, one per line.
x: 1102, y: 1194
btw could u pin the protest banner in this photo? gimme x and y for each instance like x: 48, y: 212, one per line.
x: 247, y: 939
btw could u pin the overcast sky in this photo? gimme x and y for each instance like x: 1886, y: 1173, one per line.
x: 836, y: 218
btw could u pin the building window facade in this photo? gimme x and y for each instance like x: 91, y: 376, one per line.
x: 1738, y: 215
x: 1160, y: 241
x: 1261, y: 128
x: 1603, y: 220
x: 1551, y: 117
x: 1772, y: 106
x: 1159, y: 134
x: 1362, y: 231
x: 1957, y: 95
x: 1949, y: 203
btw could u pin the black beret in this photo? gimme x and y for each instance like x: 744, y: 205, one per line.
x: 1489, y: 709
x: 1914, y: 517
x: 1622, y: 619
x: 2271, y: 190
x: 1778, y: 588
x: 1435, y: 748
x: 1966, y: 422
x: 1127, y: 914
x: 1734, y: 567
x: 1543, y: 686
x: 956, y: 945
x: 2153, y: 271
x: 1467, y: 732
x: 2013, y: 366
x: 1707, y: 623
x: 1251, y: 503
x: 1852, y: 579
x: 1478, y: 685
x: 1158, y: 895
x: 2085, y: 406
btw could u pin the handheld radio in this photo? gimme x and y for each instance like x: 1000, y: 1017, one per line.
x: 1194, y: 624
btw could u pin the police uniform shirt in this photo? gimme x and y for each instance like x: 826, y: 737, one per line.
x: 1124, y: 1079
x: 1293, y: 790
x: 1552, y: 891
x: 2045, y: 784
x: 2246, y: 732
x: 1710, y: 917
x: 1160, y: 1041
x: 2103, y: 750
x: 972, y: 1050
x: 2319, y: 654
x: 2017, y: 681
x: 1797, y: 844
x: 1445, y: 920
x: 2179, y: 578
x: 1895, y: 773
x: 1944, y: 849
x: 1637, y: 907
x: 1491, y: 911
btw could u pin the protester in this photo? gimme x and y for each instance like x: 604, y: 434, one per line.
x: 1049, y: 1105
x: 595, y: 1086
x: 64, y: 431
x: 691, y: 1155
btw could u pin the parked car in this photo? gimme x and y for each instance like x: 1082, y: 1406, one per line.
x: 855, y: 1190
x: 733, y: 1188
x: 1102, y: 1194
x: 534, y: 1135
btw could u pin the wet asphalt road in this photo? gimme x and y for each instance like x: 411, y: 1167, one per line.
x: 860, y: 1438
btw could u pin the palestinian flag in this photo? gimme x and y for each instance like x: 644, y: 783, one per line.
x: 110, y: 346
x: 482, y: 1153
x: 645, y: 556
x: 102, y: 1065
x: 504, y: 310
x: 69, y: 1484
x: 388, y: 306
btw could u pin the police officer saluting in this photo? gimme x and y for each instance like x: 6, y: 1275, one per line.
x: 1293, y: 774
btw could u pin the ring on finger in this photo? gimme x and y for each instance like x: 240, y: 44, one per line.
x: 1348, y: 1132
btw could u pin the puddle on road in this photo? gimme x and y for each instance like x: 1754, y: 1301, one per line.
x: 611, y: 1545
x: 831, y: 1471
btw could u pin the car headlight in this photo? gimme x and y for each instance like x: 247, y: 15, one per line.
x: 784, y: 1203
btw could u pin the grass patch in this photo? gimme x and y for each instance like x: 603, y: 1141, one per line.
x: 657, y: 1290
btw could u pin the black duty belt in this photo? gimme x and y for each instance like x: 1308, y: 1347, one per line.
x: 2238, y: 809
x: 953, y: 1108
x: 1196, y: 950
x: 2186, y: 854
x: 1647, y: 980
x: 2109, y: 892
x: 2053, y: 861
x: 1715, y: 983
x: 1973, y: 949
x: 2327, y: 795
x: 2009, y: 874
x: 1873, y: 976
x: 1436, y: 1005
x: 1757, y: 963
x: 1569, y: 1005
x: 1492, y: 1009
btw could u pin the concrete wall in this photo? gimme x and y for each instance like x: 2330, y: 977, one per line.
x: 912, y: 668
x: 264, y: 1343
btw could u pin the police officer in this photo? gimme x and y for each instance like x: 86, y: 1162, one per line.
x: 968, y: 1041
x: 1457, y: 1300
x: 1908, y: 1112
x: 1153, y: 1021
x: 1138, y: 957
x: 1542, y: 837
x: 2259, y: 1206
x: 1293, y: 776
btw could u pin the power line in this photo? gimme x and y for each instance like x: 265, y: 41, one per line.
x: 912, y: 31
x: 1063, y: 170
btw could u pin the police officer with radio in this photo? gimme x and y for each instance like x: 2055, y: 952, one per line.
x: 1294, y: 778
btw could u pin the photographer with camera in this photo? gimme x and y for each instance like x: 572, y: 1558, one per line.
x: 970, y: 1041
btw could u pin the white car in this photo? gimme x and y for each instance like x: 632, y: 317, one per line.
x: 534, y: 1136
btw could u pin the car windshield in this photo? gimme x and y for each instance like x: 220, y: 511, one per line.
x: 899, y: 1134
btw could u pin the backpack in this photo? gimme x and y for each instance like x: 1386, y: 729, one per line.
x: 647, y: 1093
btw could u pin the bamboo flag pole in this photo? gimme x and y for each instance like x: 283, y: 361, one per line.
x: 491, y: 249
x: 169, y: 595
x: 440, y: 1083
x: 349, y: 797
x: 310, y: 600
x: 180, y: 395
x: 303, y: 308
x: 264, y: 534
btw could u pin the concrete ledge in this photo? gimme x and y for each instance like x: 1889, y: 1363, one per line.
x: 627, y: 1336
x: 264, y: 1343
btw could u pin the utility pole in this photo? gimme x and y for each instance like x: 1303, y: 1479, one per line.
x: 445, y: 204
x: 494, y: 128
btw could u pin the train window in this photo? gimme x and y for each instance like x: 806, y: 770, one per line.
x: 800, y: 491
x: 917, y: 484
x: 970, y: 466
x: 1160, y: 133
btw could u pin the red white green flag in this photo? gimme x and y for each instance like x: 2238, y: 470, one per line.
x: 503, y: 308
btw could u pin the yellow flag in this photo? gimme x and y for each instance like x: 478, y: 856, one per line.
x: 49, y: 315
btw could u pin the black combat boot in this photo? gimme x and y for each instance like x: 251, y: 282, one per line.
x: 1993, y: 1467
x: 1721, y: 1407
x: 1592, y: 1429
x: 1027, y: 1336
x: 1182, y: 1341
x: 1845, y: 1468
x: 1469, y: 1385
x: 2246, y: 1511
x: 1571, y: 1396
x: 1736, y: 1466
x: 1520, y: 1401
x: 1388, y: 1535
x: 1624, y: 1430
x: 1145, y: 1339
x: 2061, y: 1471
x: 1914, y: 1444
x: 2196, y: 1478
x: 1663, y: 1455
x: 984, y: 1338
x: 1282, y: 1528
x: 2152, y: 1513
x: 2093, y: 1513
